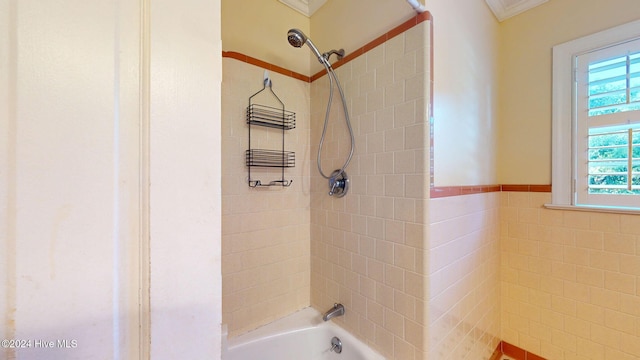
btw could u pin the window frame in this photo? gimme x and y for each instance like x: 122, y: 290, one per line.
x: 564, y: 107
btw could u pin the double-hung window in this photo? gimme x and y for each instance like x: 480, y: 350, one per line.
x: 596, y: 120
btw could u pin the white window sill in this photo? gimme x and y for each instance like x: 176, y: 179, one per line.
x: 594, y: 209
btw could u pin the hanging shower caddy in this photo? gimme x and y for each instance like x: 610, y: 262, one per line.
x: 270, y: 117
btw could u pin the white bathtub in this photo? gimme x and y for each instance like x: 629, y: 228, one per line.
x: 299, y: 336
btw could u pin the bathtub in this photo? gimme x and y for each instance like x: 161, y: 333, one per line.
x: 299, y: 336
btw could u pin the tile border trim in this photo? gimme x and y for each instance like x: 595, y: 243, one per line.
x: 504, y: 348
x: 265, y: 65
x: 517, y: 353
x: 497, y: 353
x: 448, y: 191
x: 417, y: 19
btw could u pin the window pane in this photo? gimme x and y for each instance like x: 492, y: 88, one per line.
x: 608, y: 181
x: 607, y: 137
x: 607, y: 68
x: 608, y: 173
x: 608, y: 159
x: 634, y: 60
x: 608, y: 97
x: 615, y: 109
x: 617, y: 152
x: 614, y: 85
x: 621, y: 191
x: 634, y: 74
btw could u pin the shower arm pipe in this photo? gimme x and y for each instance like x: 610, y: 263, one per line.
x: 415, y: 4
x: 339, y: 54
x: 332, y: 75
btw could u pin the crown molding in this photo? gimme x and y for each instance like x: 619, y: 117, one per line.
x: 306, y: 7
x: 504, y: 9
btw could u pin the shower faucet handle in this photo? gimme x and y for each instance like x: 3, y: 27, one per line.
x: 338, y: 183
x: 333, y: 185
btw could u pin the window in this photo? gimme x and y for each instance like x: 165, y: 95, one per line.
x: 596, y: 120
x: 607, y: 122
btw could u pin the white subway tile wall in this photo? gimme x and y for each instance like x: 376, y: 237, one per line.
x: 464, y: 276
x: 570, y: 280
x: 265, y: 231
x: 368, y: 248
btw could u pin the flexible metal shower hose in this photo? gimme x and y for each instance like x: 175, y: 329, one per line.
x: 332, y: 75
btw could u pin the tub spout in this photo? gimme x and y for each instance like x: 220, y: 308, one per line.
x: 336, y: 310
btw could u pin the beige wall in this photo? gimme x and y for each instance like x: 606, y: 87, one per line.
x: 351, y: 24
x: 259, y: 29
x: 524, y: 155
x: 570, y: 280
x: 465, y: 42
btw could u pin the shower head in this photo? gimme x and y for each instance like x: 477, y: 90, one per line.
x: 297, y: 38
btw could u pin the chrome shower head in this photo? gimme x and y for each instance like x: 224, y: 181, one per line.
x: 297, y: 38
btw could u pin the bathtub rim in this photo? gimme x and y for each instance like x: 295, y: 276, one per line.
x: 302, y: 320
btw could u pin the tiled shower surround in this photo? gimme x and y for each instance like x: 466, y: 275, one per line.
x: 440, y: 278
x: 368, y: 248
x: 265, y: 231
x: 406, y: 295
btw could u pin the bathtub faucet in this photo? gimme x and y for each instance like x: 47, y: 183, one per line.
x: 336, y: 310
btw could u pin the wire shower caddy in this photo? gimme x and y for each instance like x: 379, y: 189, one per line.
x: 270, y: 117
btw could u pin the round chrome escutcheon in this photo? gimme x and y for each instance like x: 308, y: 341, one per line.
x: 338, y: 184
